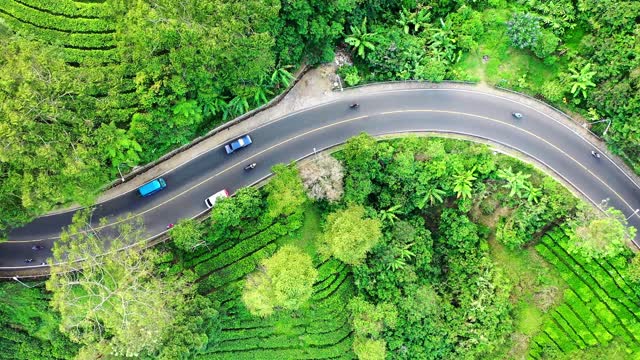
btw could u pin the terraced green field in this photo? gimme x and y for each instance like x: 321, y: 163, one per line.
x: 319, y: 331
x: 599, y: 305
x: 84, y: 31
x: 85, y: 34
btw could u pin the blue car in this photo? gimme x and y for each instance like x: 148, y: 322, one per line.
x: 238, y: 143
x: 152, y: 187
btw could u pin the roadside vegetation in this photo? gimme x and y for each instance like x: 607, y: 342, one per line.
x: 582, y: 56
x: 94, y: 88
x: 406, y: 248
x: 91, y: 89
x: 442, y: 249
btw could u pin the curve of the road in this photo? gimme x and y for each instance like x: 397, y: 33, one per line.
x: 459, y: 111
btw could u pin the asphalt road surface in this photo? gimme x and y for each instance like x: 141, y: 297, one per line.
x: 294, y: 136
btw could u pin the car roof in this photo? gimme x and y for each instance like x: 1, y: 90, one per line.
x: 214, y: 197
x: 150, y: 186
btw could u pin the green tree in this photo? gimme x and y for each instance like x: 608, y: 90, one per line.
x: 359, y: 154
x: 361, y: 39
x: 532, y: 193
x: 309, y: 29
x: 52, y: 143
x: 369, y: 349
x: 633, y: 269
x: 390, y: 214
x: 368, y: 322
x: 117, y: 304
x: 463, y: 183
x: 285, y: 191
x: 370, y: 319
x: 581, y: 81
x: 546, y: 45
x: 597, y: 235
x: 348, y: 235
x: 524, y: 30
x: 278, y: 284
x: 516, y: 182
x: 281, y: 77
x: 432, y: 195
x: 187, y: 235
x: 231, y: 217
x: 413, y: 21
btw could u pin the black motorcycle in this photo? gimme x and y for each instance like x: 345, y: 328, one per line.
x: 354, y: 106
x: 250, y: 167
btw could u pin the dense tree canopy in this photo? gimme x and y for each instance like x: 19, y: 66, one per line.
x: 285, y: 191
x: 117, y: 304
x: 135, y: 79
x: 284, y: 280
x: 597, y: 235
x: 349, y: 235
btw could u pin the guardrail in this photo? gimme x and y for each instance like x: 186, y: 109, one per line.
x: 410, y: 82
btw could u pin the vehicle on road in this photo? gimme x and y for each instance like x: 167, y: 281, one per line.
x: 517, y: 115
x: 238, y: 144
x: 595, y: 154
x: 354, y: 105
x: 250, y: 167
x: 152, y: 187
x: 211, y: 200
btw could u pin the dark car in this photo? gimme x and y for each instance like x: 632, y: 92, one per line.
x: 238, y: 144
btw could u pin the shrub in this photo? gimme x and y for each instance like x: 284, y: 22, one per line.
x: 524, y: 30
x: 349, y: 74
x: 553, y: 90
x: 546, y: 44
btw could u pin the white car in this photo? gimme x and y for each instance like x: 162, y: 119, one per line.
x: 211, y: 200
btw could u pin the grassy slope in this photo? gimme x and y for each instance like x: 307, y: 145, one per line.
x: 506, y: 66
x: 536, y: 288
x: 510, y: 67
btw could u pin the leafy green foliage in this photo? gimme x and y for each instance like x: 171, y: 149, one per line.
x: 44, y: 127
x: 277, y: 284
x: 581, y: 80
x: 596, y: 235
x: 285, y: 191
x: 231, y: 217
x: 524, y: 30
x: 309, y: 29
x: 369, y: 349
x: 117, y: 304
x: 29, y: 329
x: 598, y: 306
x: 462, y: 183
x: 369, y: 321
x: 348, y: 235
x: 361, y: 40
x: 187, y: 235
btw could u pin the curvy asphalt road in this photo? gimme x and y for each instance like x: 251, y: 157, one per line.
x: 294, y: 136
